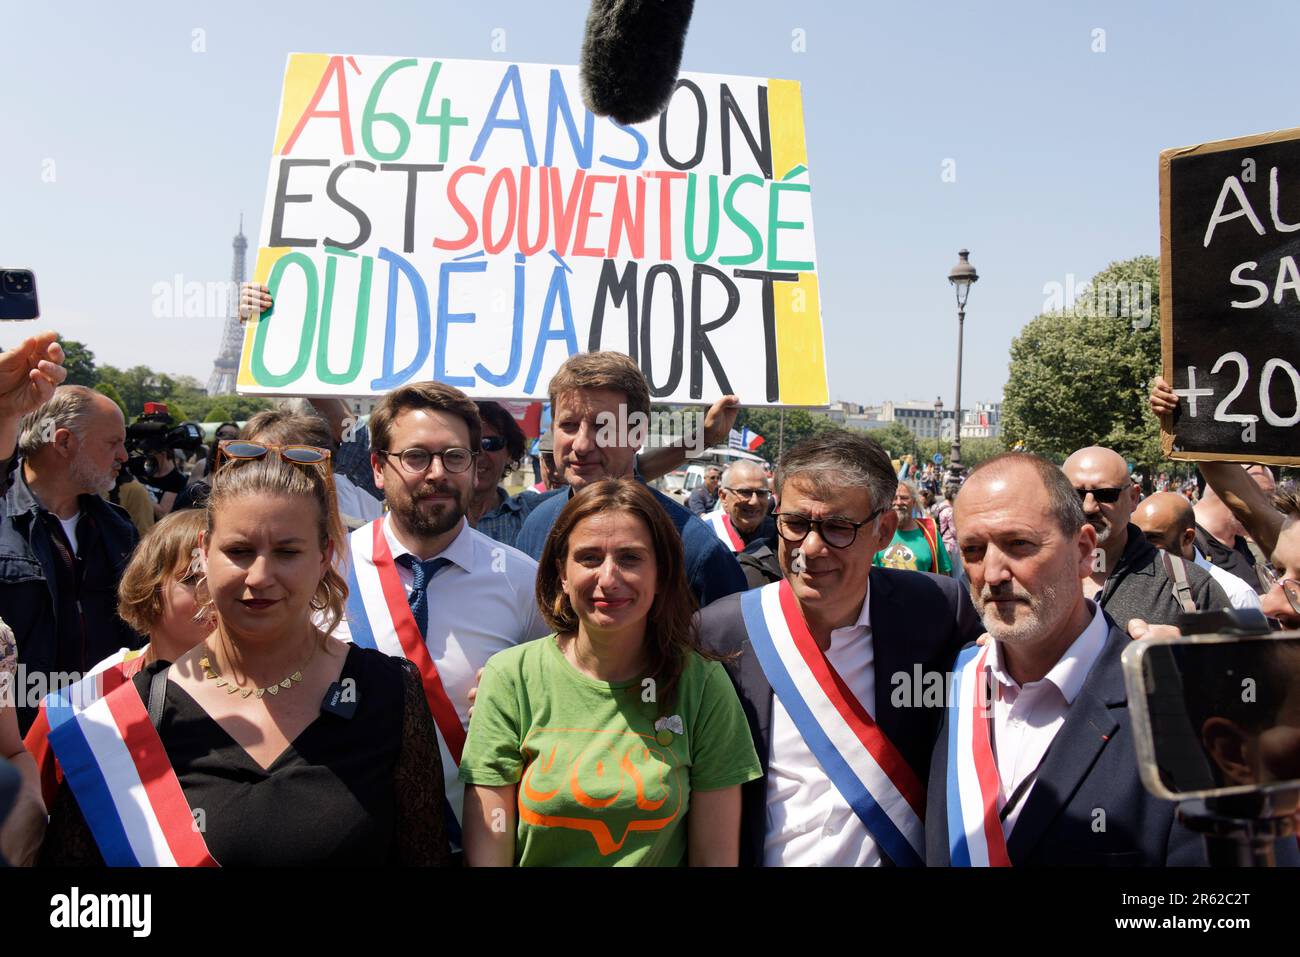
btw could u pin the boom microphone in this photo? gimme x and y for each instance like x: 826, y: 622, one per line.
x: 631, y: 53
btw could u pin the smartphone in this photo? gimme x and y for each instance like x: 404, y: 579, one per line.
x: 18, y: 295
x: 1215, y: 715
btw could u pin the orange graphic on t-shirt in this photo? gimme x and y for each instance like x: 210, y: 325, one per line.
x: 599, y: 753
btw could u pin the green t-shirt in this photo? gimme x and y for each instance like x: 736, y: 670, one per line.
x: 598, y: 785
x: 910, y: 550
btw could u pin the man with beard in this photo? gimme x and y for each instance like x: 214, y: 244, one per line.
x: 63, y: 548
x: 422, y: 583
x: 1035, y: 763
x: 916, y: 545
x: 1168, y: 523
x: 839, y: 667
x: 1129, y: 578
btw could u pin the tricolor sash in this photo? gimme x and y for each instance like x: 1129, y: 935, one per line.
x: 379, y: 617
x: 106, y: 676
x: 975, y: 836
x: 117, y: 768
x: 860, y: 761
x: 720, y: 522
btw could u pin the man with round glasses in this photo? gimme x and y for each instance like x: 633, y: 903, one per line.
x: 1130, y: 577
x: 424, y: 584
x: 832, y: 664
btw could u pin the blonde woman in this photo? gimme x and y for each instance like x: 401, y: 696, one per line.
x: 285, y: 746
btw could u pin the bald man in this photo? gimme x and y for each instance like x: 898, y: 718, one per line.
x: 1130, y: 579
x: 1055, y: 745
x: 1168, y: 522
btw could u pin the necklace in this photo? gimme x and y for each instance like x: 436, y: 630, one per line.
x: 209, y: 672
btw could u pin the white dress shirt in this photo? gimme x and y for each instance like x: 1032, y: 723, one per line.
x: 809, y: 823
x: 480, y: 604
x: 1240, y: 595
x: 1026, y: 719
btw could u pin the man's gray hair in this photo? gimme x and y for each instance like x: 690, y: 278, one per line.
x: 71, y: 407
x: 742, y: 464
x: 840, y: 458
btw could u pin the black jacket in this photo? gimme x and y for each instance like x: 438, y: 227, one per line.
x: 1088, y: 806
x: 29, y: 599
x: 1140, y: 587
x: 918, y: 620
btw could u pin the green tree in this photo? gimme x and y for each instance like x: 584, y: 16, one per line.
x: 80, y: 363
x: 799, y: 425
x: 106, y: 388
x: 1080, y: 376
x: 897, y: 440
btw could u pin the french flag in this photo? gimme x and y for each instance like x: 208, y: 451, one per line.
x: 745, y: 439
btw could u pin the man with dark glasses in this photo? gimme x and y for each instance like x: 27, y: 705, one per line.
x: 1131, y: 578
x: 832, y: 663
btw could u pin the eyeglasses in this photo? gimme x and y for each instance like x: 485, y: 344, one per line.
x: 1103, y: 496
x: 492, y: 443
x: 762, y: 493
x: 1290, y: 587
x: 835, y: 532
x: 416, y: 460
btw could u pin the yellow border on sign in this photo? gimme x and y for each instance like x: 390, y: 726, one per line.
x: 302, y: 76
x: 785, y: 120
x: 800, y: 353
x: 267, y: 257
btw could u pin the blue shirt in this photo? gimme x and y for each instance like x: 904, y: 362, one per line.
x: 504, y: 522
x: 710, y: 567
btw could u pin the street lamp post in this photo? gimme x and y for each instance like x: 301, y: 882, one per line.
x: 938, y: 425
x: 962, y: 277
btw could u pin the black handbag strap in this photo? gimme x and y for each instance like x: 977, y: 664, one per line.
x: 157, y: 695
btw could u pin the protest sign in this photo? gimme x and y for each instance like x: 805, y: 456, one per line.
x: 471, y: 222
x: 1230, y: 298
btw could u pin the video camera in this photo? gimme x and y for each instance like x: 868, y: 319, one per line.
x: 155, y: 432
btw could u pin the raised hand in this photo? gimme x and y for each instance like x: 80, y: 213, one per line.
x: 29, y: 374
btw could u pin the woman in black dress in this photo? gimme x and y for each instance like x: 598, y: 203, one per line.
x: 291, y: 747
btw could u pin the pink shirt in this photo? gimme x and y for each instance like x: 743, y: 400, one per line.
x: 1026, y: 719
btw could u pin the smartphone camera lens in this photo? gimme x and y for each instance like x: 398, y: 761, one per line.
x: 16, y: 282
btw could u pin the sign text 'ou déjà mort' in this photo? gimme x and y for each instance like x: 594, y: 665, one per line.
x: 472, y: 223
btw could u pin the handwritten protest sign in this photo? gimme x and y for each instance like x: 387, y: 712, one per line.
x: 1230, y: 298
x: 470, y: 222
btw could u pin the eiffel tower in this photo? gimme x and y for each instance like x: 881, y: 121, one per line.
x: 226, y: 367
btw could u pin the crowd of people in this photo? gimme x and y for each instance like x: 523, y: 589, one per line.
x: 350, y: 644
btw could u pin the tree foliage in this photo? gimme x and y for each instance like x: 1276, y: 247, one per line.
x: 799, y: 425
x: 184, y: 395
x: 1080, y: 376
x: 80, y: 363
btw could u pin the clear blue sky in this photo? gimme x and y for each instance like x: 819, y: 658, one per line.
x: 157, y: 149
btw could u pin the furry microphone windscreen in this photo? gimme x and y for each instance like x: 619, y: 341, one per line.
x: 630, y: 56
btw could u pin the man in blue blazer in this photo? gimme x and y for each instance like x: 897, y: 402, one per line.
x: 1035, y: 761
x: 888, y: 636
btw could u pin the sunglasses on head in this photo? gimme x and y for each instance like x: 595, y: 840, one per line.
x: 1104, y: 496
x: 233, y: 451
